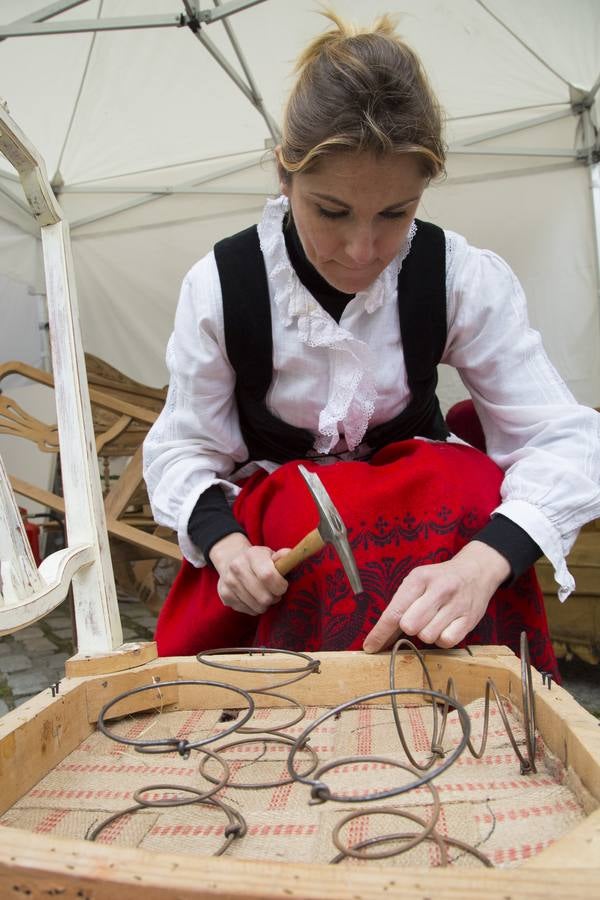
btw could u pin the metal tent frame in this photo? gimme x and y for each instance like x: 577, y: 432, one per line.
x: 579, y: 104
x: 198, y: 17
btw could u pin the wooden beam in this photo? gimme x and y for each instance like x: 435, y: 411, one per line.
x: 36, y: 737
x: 41, y: 867
x: 150, y: 542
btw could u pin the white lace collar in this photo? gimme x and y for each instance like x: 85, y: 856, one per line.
x: 352, y: 396
x: 272, y: 244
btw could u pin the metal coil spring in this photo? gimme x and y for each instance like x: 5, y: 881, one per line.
x: 424, y: 773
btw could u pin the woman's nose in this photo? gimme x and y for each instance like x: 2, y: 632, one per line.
x: 360, y: 245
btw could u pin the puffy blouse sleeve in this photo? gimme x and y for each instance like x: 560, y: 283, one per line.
x: 547, y: 444
x: 196, y: 441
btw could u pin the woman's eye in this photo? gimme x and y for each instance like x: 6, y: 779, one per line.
x: 399, y: 214
x: 331, y: 213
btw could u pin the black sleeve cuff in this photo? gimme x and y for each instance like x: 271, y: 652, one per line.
x: 512, y: 542
x: 211, y: 520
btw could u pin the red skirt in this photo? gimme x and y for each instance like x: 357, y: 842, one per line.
x: 413, y: 503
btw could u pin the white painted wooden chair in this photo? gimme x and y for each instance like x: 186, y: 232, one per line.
x: 26, y: 592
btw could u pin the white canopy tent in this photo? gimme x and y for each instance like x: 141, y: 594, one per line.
x: 155, y: 151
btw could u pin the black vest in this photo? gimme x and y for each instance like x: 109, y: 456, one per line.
x: 249, y: 343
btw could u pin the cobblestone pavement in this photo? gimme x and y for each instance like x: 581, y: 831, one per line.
x: 34, y: 658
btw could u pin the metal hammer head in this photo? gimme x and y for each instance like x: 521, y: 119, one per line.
x: 331, y: 528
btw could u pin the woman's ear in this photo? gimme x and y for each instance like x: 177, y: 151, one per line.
x: 282, y: 173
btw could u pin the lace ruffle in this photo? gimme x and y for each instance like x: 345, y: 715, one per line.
x: 352, y: 394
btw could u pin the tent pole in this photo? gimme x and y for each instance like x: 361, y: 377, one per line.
x: 36, y: 24
x: 233, y: 6
x: 47, y: 12
x: 567, y: 152
x: 517, y: 126
x: 259, y: 103
x: 595, y: 185
x: 76, y: 26
x: 590, y: 154
x: 249, y: 92
x: 160, y: 193
x: 520, y: 40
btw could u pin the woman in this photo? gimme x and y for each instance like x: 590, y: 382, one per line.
x: 317, y: 337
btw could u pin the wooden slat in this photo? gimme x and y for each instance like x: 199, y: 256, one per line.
x: 101, y: 398
x: 32, y: 492
x: 116, y: 501
x: 335, y: 683
x: 128, y: 656
x: 36, y: 737
x: 586, y: 549
x: 489, y: 650
x: 100, y: 690
x: 41, y: 867
x: 156, y: 545
x: 111, y: 433
x: 578, y: 619
x: 102, y: 374
x: 569, y: 731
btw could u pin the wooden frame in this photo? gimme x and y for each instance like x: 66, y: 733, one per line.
x: 38, y: 735
x: 111, y: 438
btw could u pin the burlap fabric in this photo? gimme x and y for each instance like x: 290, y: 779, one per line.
x: 486, y: 802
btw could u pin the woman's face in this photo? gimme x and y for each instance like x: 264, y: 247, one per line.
x: 353, y: 213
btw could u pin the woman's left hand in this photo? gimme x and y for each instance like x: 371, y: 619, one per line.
x: 440, y: 604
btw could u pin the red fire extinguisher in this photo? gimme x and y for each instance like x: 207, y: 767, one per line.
x: 33, y: 534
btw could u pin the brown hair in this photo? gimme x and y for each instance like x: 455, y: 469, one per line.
x: 361, y: 89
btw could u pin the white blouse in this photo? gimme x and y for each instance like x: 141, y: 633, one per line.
x: 337, y: 380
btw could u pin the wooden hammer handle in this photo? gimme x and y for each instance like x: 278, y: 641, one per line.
x: 306, y: 547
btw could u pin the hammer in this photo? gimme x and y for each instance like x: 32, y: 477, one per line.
x: 330, y: 530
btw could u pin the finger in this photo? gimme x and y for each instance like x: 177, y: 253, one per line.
x: 431, y: 632
x: 388, y: 626
x: 253, y: 593
x: 283, y: 551
x: 239, y: 589
x: 454, y: 633
x: 390, y: 640
x: 264, y: 582
x: 264, y: 568
x: 233, y: 602
x: 421, y: 614
x: 243, y: 582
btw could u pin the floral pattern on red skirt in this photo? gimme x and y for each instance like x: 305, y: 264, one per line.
x: 413, y: 503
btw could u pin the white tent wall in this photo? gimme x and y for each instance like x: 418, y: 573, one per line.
x: 120, y: 114
x: 129, y: 281
x: 20, y: 260
x: 542, y: 223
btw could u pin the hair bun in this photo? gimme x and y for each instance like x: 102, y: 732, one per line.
x: 360, y: 89
x: 384, y: 26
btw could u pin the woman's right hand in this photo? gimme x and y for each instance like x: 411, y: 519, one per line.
x: 248, y: 580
